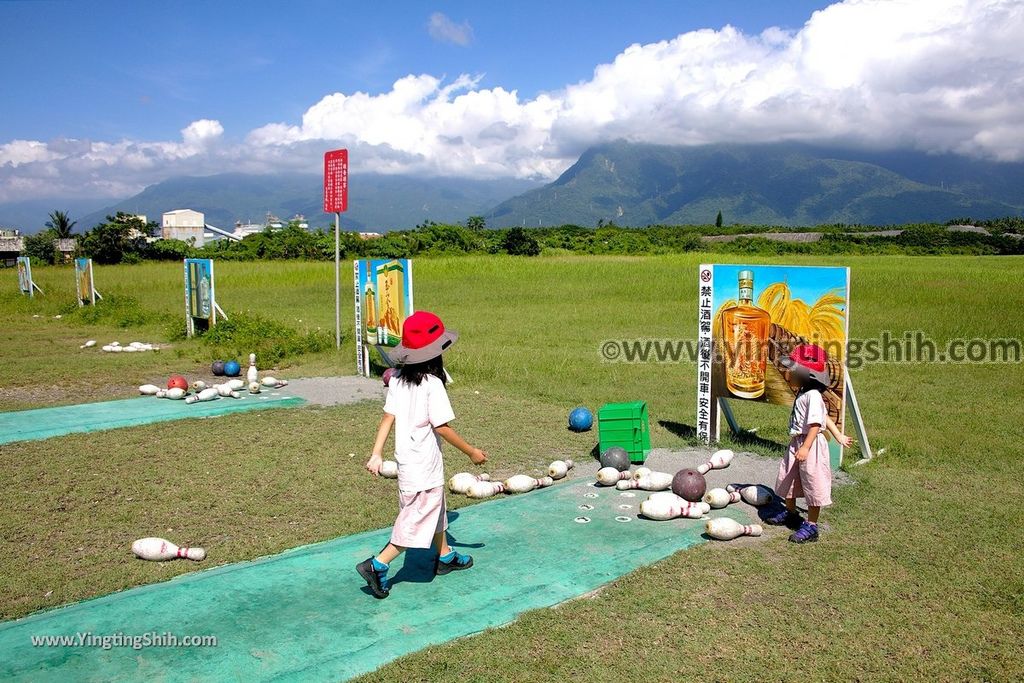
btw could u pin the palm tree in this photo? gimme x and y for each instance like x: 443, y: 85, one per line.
x: 61, y: 224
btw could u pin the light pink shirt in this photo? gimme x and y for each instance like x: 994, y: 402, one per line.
x: 418, y: 410
x: 808, y: 410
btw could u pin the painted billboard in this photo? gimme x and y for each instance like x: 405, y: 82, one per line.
x: 383, y: 300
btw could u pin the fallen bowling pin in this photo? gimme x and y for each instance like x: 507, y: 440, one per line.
x: 756, y: 495
x: 149, y: 389
x: 719, y: 498
x: 726, y: 529
x: 640, y: 471
x: 559, y: 468
x: 719, y: 461
x: 204, y: 395
x: 522, y: 483
x: 236, y: 384
x: 254, y: 387
x: 389, y: 469
x: 485, y: 489
x: 665, y: 508
x: 176, y: 393
x: 158, y: 549
x: 107, y: 348
x: 88, y: 345
x: 273, y: 382
x: 161, y: 393
x: 198, y: 385
x: 609, y: 476
x: 461, y: 482
x: 235, y: 394
x: 653, y: 481
x: 223, y: 390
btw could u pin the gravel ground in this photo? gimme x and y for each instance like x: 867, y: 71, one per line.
x: 335, y: 391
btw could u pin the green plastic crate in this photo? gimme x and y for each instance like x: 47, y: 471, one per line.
x: 625, y: 425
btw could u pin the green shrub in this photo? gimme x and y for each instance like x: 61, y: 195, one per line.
x: 271, y: 341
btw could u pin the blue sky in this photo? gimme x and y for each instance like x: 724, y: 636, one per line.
x: 146, y: 70
x: 101, y: 99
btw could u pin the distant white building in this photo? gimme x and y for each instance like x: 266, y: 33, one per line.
x: 184, y: 225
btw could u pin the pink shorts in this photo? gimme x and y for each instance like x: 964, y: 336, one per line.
x: 420, y: 516
x: 810, y: 479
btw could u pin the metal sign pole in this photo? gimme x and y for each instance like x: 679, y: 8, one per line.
x: 337, y: 280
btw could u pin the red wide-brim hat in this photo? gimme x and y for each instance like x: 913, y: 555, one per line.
x: 810, y: 359
x: 423, y: 337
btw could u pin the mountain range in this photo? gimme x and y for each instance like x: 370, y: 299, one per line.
x: 630, y: 184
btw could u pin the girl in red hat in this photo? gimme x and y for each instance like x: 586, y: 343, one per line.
x: 806, y: 469
x: 418, y: 408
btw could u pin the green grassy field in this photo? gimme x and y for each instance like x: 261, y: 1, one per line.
x: 920, y: 577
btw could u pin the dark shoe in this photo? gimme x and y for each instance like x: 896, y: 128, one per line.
x: 456, y: 562
x: 807, y: 533
x: 786, y: 518
x: 376, y: 580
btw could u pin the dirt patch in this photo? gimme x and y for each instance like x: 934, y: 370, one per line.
x: 335, y: 391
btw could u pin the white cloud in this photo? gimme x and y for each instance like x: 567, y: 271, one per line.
x: 934, y: 75
x: 444, y: 30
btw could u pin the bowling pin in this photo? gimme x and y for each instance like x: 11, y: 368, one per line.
x: 161, y: 393
x: 726, y: 529
x: 719, y: 461
x: 107, y: 347
x: 640, y: 471
x: 522, y: 483
x: 252, y: 374
x: 665, y: 508
x: 254, y: 387
x: 653, y: 481
x: 754, y: 495
x: 88, y: 345
x: 236, y: 384
x: 223, y: 389
x: 461, y: 482
x: 149, y: 389
x: 719, y: 498
x: 559, y: 468
x: 485, y: 489
x: 176, y: 393
x: 129, y: 349
x: 204, y: 395
x: 273, y: 382
x: 389, y: 469
x: 158, y: 549
x: 235, y: 394
x: 608, y: 476
x: 198, y: 385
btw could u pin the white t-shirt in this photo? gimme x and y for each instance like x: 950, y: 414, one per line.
x: 808, y: 410
x: 417, y: 410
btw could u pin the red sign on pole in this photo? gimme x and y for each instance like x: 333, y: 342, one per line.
x: 336, y: 181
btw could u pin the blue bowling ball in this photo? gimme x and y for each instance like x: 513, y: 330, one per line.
x: 232, y: 368
x: 580, y: 419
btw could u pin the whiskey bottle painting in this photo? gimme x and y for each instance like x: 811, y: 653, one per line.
x: 745, y: 330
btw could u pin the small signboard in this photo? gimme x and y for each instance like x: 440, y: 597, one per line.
x: 336, y: 181
x: 749, y: 318
x: 84, y: 283
x: 383, y: 300
x: 25, y: 283
x: 200, y: 296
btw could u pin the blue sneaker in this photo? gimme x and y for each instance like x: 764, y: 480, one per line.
x: 376, y: 578
x: 451, y: 562
x: 787, y: 518
x: 807, y: 533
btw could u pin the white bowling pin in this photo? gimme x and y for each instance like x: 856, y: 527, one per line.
x: 88, y: 345
x: 236, y: 384
x: 640, y: 471
x: 485, y: 489
x: 665, y: 508
x: 254, y: 387
x: 726, y: 529
x: 719, y: 461
x: 129, y: 349
x: 252, y: 374
x: 273, y: 382
x: 608, y: 476
x: 176, y: 393
x: 652, y: 481
x: 235, y: 394
x: 107, y: 347
x: 198, y: 385
x: 389, y: 469
x: 161, y: 393
x: 719, y: 498
x: 116, y: 349
x: 754, y: 495
x: 521, y: 483
x: 158, y: 549
x: 136, y: 345
x: 149, y: 389
x: 461, y: 482
x: 559, y: 468
x: 223, y: 389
